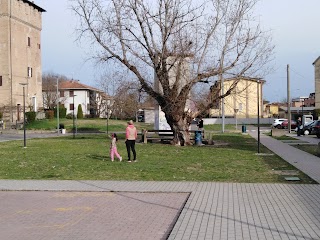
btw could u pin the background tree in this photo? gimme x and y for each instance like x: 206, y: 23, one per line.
x: 126, y: 101
x: 180, y: 43
x: 79, y: 112
x: 49, y: 89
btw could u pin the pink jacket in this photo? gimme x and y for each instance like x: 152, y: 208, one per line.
x: 131, y: 132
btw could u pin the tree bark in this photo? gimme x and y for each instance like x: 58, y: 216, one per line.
x: 180, y: 127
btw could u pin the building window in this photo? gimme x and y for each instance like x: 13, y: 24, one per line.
x: 29, y: 71
x: 39, y: 45
x: 71, y: 93
x: 29, y: 42
x: 61, y: 93
x: 71, y: 106
x: 0, y: 80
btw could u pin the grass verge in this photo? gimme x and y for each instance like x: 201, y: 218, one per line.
x: 312, y: 149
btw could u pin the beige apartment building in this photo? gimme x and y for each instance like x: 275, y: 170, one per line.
x: 316, y: 65
x: 20, y: 61
x: 243, y: 100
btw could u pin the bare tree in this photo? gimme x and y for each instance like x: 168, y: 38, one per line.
x: 126, y: 101
x: 49, y: 89
x: 177, y: 44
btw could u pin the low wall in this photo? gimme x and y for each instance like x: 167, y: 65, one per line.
x: 278, y: 132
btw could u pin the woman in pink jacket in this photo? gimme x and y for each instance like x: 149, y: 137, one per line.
x: 131, y: 136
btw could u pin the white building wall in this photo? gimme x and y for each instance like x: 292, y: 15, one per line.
x: 81, y: 97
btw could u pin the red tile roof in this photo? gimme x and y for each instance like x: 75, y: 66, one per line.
x: 75, y: 84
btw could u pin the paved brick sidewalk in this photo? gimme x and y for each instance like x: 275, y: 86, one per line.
x: 217, y: 210
x: 30, y: 215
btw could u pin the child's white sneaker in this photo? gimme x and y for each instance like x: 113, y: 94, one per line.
x: 120, y: 159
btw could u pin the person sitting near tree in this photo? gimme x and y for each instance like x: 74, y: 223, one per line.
x: 200, y: 126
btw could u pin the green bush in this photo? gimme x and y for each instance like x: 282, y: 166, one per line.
x: 62, y: 111
x: 69, y: 116
x: 1, y: 115
x: 50, y: 114
x: 31, y: 116
x: 80, y: 112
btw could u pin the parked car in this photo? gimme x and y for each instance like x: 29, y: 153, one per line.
x: 316, y: 128
x: 284, y: 124
x: 277, y: 122
x: 309, y: 129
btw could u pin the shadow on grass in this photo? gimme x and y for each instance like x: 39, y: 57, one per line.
x: 105, y: 157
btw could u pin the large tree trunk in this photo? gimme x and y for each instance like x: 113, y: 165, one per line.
x: 180, y: 128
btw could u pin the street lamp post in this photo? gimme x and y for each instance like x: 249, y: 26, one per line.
x: 107, y: 117
x: 74, y: 129
x: 58, y: 125
x: 258, y: 108
x: 108, y: 111
x: 24, y: 116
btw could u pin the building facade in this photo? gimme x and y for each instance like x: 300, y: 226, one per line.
x: 316, y: 65
x: 20, y: 61
x: 243, y: 100
x: 94, y: 102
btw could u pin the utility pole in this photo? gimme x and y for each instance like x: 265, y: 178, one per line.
x: 24, y: 115
x: 288, y: 99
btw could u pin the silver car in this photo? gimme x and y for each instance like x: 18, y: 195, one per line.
x: 277, y: 122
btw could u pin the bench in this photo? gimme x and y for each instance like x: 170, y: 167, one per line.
x: 160, y: 135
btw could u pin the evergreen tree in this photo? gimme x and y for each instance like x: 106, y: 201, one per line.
x: 80, y: 112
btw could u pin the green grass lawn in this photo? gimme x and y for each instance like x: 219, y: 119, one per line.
x: 285, y: 138
x: 218, y: 127
x: 232, y: 159
x: 312, y: 149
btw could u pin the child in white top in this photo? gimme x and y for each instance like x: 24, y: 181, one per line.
x: 113, y: 148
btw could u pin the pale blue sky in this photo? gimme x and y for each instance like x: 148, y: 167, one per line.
x: 293, y: 24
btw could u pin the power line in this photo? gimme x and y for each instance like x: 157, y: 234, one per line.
x: 300, y: 74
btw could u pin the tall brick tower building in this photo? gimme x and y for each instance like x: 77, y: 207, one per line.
x: 20, y: 58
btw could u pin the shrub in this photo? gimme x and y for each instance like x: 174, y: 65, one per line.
x: 49, y: 114
x: 80, y: 112
x: 31, y: 116
x: 62, y: 111
x: 69, y: 116
x: 1, y: 115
